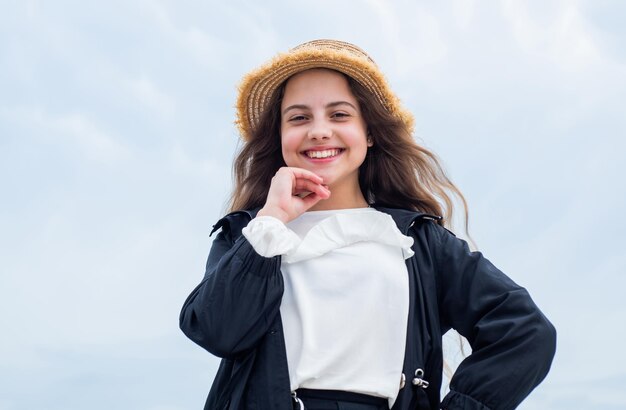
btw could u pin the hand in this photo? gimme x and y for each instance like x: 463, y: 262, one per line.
x: 292, y: 192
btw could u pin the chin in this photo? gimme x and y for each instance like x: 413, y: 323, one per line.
x: 328, y: 179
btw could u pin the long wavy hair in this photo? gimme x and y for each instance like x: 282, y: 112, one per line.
x: 396, y: 172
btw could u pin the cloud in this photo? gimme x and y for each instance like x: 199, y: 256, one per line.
x: 464, y: 12
x: 563, y: 36
x: 411, y: 46
x: 200, y: 44
x: 74, y: 130
x: 151, y: 96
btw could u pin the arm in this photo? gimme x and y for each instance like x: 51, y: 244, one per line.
x: 512, y: 341
x: 238, y: 299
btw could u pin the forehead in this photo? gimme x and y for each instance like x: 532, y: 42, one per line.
x: 316, y: 84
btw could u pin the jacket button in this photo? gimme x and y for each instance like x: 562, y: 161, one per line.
x: 418, y: 381
x: 402, y: 381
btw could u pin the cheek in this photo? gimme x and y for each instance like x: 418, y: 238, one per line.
x: 289, y: 147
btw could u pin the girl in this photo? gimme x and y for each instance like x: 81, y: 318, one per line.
x: 332, y: 281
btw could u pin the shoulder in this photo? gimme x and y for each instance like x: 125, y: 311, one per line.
x: 233, y: 222
x: 409, y: 220
x: 429, y: 235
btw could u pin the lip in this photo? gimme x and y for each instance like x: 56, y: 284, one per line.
x: 339, y: 150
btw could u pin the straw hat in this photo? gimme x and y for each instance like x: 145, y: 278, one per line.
x: 258, y: 86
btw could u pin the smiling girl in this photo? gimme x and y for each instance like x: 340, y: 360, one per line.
x: 332, y: 281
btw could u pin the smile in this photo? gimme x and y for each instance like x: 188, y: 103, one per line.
x: 327, y: 153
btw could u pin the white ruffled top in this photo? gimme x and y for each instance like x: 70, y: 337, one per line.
x: 346, y: 299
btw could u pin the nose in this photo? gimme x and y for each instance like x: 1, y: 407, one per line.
x: 320, y: 130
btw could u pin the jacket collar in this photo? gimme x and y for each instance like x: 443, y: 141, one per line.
x: 403, y: 218
x: 249, y: 214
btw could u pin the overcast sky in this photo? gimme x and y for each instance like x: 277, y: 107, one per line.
x: 117, y: 136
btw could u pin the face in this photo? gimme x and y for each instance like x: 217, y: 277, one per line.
x: 322, y: 129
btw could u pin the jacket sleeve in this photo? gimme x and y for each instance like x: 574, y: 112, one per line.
x: 512, y: 341
x: 238, y: 299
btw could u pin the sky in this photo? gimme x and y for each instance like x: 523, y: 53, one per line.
x: 117, y: 137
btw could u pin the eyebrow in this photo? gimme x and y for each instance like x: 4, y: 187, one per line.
x: 329, y: 105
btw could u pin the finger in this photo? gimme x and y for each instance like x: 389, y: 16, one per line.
x: 305, y: 173
x: 319, y: 191
x: 310, y: 200
x: 310, y: 186
x: 322, y: 191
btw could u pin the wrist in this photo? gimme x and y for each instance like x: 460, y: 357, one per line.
x: 275, y: 213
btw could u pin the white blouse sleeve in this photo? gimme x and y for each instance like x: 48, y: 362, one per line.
x: 270, y: 237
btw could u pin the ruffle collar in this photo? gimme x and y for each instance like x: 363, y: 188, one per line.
x: 343, y: 229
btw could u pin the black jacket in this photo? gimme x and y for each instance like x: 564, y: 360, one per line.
x: 234, y: 314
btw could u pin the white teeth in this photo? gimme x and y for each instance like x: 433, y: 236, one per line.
x: 322, y: 154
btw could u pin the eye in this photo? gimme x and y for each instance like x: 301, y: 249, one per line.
x: 297, y: 118
x: 340, y: 115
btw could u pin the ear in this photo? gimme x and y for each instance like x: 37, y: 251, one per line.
x: 370, y: 142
